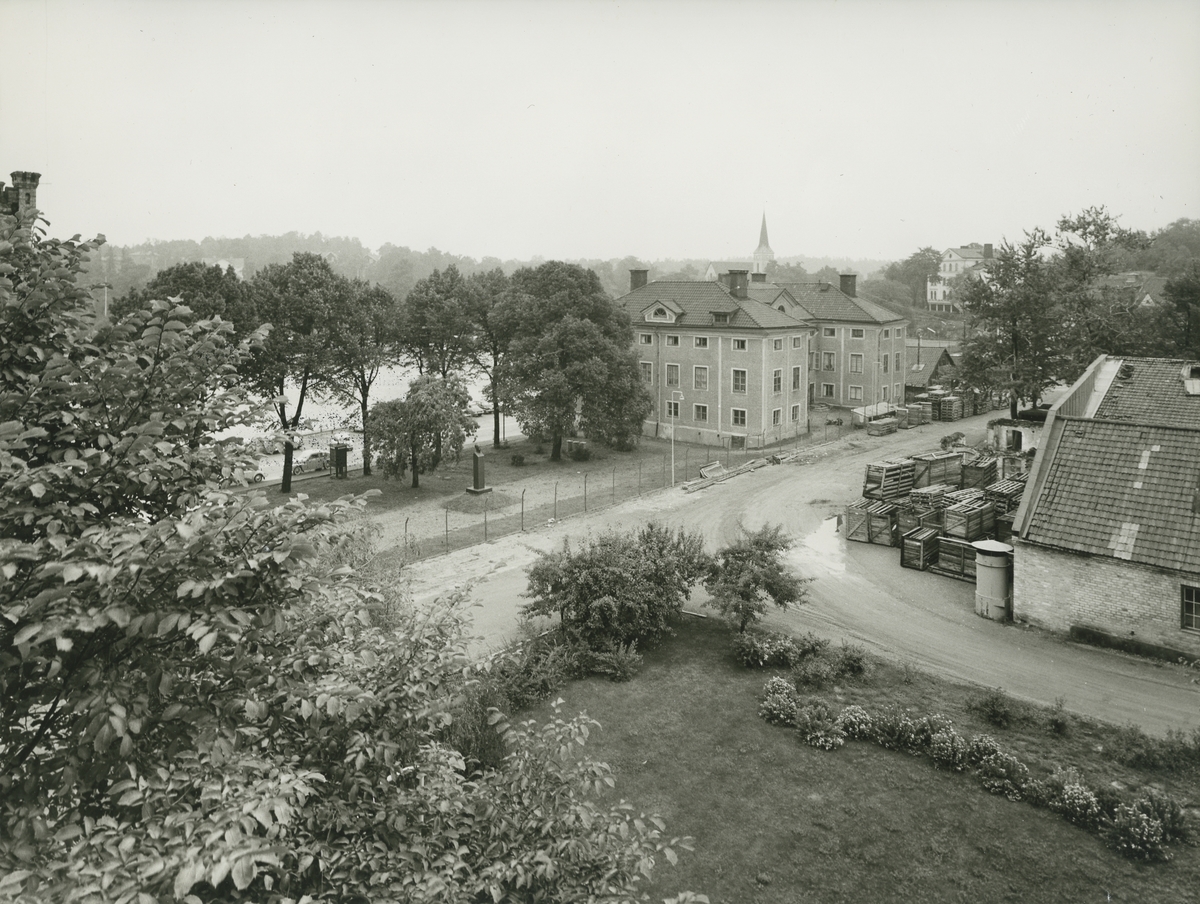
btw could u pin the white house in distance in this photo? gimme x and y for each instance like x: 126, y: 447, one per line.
x: 955, y: 262
x: 1107, y: 538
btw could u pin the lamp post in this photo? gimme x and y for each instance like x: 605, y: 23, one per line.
x: 676, y: 398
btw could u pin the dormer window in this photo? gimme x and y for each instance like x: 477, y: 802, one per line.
x: 1191, y: 379
x: 720, y: 317
x: 660, y: 314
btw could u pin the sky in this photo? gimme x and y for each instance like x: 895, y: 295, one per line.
x: 577, y: 129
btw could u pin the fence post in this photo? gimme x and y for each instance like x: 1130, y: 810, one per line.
x: 686, y: 451
x: 728, y: 449
x: 522, y: 511
x: 639, y: 477
x: 614, y: 485
x: 406, y: 533
x: 447, y: 530
x: 585, y: 491
x: 556, y: 500
x: 486, y: 500
x: 664, y: 470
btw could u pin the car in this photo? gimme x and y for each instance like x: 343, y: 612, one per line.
x: 474, y: 410
x: 316, y: 460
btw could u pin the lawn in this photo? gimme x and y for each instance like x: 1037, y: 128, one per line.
x: 775, y: 820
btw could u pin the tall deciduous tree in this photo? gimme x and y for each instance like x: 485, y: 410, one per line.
x: 437, y: 332
x: 914, y: 271
x: 416, y: 431
x: 364, y: 339
x: 492, y: 328
x: 749, y: 573
x: 298, y: 300
x: 1182, y: 316
x: 208, y: 290
x: 571, y: 354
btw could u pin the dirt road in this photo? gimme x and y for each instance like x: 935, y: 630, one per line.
x: 860, y: 592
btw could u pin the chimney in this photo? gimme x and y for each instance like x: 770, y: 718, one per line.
x: 637, y: 279
x: 723, y: 279
x: 987, y: 251
x: 849, y: 284
x: 738, y: 283
x: 758, y: 277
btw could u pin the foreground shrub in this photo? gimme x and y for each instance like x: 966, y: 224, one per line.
x: 620, y: 663
x: 851, y: 661
x: 1167, y: 811
x: 817, y: 724
x: 948, y: 750
x: 930, y: 725
x: 995, y: 707
x: 814, y: 672
x: 1078, y: 804
x: 980, y: 748
x: 1003, y: 773
x: 1137, y: 835
x: 1175, y: 753
x: 896, y: 730
x: 856, y: 723
x: 755, y: 650
x: 780, y: 708
x: 808, y: 644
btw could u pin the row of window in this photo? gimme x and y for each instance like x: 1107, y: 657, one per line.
x: 829, y: 391
x: 829, y: 362
x: 739, y: 345
x: 738, y: 381
x: 830, y: 332
x: 737, y: 416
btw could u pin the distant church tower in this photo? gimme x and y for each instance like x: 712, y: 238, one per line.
x: 763, y: 254
x: 22, y: 196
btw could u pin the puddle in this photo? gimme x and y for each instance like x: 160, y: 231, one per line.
x: 826, y: 546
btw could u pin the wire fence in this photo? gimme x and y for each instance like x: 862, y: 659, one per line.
x: 600, y: 486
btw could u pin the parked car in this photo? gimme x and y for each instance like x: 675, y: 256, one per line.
x: 474, y: 410
x: 316, y: 460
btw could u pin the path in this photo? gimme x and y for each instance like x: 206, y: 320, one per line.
x: 860, y: 592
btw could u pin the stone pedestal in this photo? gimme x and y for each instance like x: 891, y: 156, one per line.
x: 479, y: 485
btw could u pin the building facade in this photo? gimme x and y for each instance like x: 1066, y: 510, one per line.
x: 21, y: 196
x: 966, y: 260
x: 724, y: 368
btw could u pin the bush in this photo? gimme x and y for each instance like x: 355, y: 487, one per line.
x: 777, y: 685
x: 814, y: 672
x: 851, y: 662
x: 581, y: 453
x: 755, y: 649
x: 535, y: 668
x: 1175, y: 753
x: 808, y: 644
x: 780, y: 708
x: 931, y: 725
x: 1167, y: 811
x: 1003, y: 773
x: 518, y: 460
x: 856, y: 723
x: 980, y: 748
x: 1079, y: 805
x: 1059, y: 721
x: 1137, y: 835
x: 895, y: 730
x: 818, y: 726
x: 948, y: 750
x: 620, y: 664
x: 995, y: 707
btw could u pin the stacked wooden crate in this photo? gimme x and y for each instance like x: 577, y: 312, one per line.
x: 912, y: 515
x: 889, y: 480
x: 979, y: 471
x: 882, y: 427
x: 955, y: 558
x: 902, y: 420
x: 870, y: 522
x: 1004, y: 525
x: 950, y: 408
x: 919, y: 548
x: 1005, y: 495
x: 937, y: 467
x: 920, y: 413
x: 932, y: 496
x: 955, y: 497
x: 935, y: 402
x: 970, y: 520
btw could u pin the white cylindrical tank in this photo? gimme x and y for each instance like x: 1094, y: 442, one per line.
x: 993, y: 579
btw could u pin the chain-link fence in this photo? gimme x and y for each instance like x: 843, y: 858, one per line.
x: 598, y: 486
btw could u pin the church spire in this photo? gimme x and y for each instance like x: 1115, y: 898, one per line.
x: 763, y: 255
x: 763, y: 244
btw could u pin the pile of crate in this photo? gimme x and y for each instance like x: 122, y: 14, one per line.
x: 882, y: 426
x: 979, y: 471
x: 1005, y: 494
x: 920, y: 412
x: 871, y: 522
x: 950, y: 408
x: 889, y: 480
x: 937, y: 467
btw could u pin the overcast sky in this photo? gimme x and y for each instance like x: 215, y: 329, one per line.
x: 601, y: 129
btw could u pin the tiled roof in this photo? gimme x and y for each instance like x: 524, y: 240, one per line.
x: 925, y: 363
x: 827, y: 302
x: 699, y: 300
x: 970, y: 252
x: 1122, y: 490
x: 1150, y: 391
x: 769, y: 294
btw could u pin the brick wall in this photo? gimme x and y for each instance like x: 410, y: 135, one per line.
x: 1056, y: 590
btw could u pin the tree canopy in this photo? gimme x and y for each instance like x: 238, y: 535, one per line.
x: 415, y: 432
x: 207, y: 290
x: 920, y: 266
x: 749, y: 573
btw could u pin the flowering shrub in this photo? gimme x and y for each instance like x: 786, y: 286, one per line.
x: 779, y: 708
x: 756, y: 650
x: 1137, y: 834
x: 980, y: 748
x: 1166, y: 810
x: 856, y: 723
x: 931, y: 725
x: 1079, y: 805
x: 778, y: 685
x: 948, y: 750
x: 1003, y: 773
x: 818, y: 726
x: 894, y: 730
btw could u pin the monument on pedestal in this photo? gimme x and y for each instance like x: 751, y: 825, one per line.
x: 480, y: 485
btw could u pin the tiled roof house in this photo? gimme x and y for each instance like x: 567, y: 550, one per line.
x: 955, y: 262
x: 859, y: 355
x: 1108, y: 533
x: 725, y: 365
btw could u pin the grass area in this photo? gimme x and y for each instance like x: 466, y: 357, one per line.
x: 775, y: 820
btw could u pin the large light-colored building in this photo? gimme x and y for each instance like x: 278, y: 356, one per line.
x: 939, y: 293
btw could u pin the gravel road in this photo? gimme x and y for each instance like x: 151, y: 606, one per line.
x: 860, y: 592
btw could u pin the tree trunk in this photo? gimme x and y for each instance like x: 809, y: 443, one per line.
x: 495, y: 419
x: 416, y: 481
x: 366, y: 441
x: 1012, y: 404
x: 286, y: 486
x: 556, y: 448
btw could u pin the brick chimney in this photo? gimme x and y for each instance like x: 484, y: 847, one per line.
x: 758, y: 277
x: 987, y: 252
x: 637, y: 279
x: 739, y: 283
x: 849, y: 284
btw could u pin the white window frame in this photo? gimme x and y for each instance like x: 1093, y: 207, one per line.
x: 733, y: 380
x: 777, y: 345
x: 696, y: 369
x: 646, y: 338
x: 700, y: 342
x: 1189, y: 597
x: 830, y: 393
x: 733, y: 414
x: 858, y: 333
x: 885, y: 363
x: 887, y: 334
x: 797, y: 342
x: 738, y: 345
x: 797, y: 378
x: 856, y: 393
x: 675, y: 383
x: 672, y: 341
x: 795, y: 412
x: 672, y: 410
x: 700, y: 413
x: 777, y: 380
x: 643, y: 366
x: 829, y: 332
x: 831, y: 357
x: 776, y: 417
x: 856, y: 359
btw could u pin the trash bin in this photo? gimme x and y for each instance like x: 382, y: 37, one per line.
x: 337, y: 461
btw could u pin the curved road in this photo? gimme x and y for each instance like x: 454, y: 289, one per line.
x: 860, y: 592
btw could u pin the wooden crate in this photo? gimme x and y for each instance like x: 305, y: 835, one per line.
x: 971, y: 494
x: 970, y: 520
x: 978, y: 472
x: 882, y: 427
x: 933, y: 496
x: 920, y: 413
x: 888, y: 480
x: 950, y: 409
x: 956, y: 559
x: 1005, y: 495
x: 902, y: 420
x: 937, y: 467
x: 919, y: 548
x: 870, y: 522
x: 1004, y: 524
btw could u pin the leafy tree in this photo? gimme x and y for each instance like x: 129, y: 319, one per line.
x: 618, y: 589
x: 1183, y: 316
x: 492, y: 331
x: 197, y: 698
x: 886, y: 291
x: 571, y: 352
x: 828, y: 274
x: 412, y: 433
x: 748, y: 573
x: 1171, y: 250
x: 299, y: 301
x: 436, y: 331
x: 789, y: 272
x: 364, y: 339
x: 208, y: 290
x: 914, y: 271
